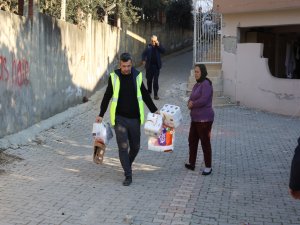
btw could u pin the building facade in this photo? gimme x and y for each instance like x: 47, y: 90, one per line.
x: 261, y: 53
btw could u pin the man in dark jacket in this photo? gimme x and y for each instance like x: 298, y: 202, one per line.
x: 126, y: 89
x: 152, y: 61
x: 295, y: 173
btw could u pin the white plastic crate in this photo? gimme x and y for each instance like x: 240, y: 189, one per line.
x: 171, y: 114
x: 153, y: 124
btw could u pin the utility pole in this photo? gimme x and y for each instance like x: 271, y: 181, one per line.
x: 118, y: 17
x: 30, y: 9
x: 20, y: 7
x: 107, y: 9
x: 63, y: 10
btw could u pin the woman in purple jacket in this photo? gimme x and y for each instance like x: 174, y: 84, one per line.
x: 202, y: 116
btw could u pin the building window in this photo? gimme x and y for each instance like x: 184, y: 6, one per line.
x: 281, y: 47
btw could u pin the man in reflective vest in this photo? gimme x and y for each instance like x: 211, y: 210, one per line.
x: 126, y: 90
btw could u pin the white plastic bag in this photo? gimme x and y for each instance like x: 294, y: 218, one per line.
x: 102, y: 132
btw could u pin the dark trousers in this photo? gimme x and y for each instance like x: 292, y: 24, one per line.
x: 128, y: 134
x: 152, y: 74
x: 200, y: 131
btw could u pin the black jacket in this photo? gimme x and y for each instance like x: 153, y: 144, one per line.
x: 295, y: 169
x: 147, y: 53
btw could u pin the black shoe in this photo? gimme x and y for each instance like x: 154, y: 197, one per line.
x: 156, y: 97
x: 190, y: 167
x: 206, y: 173
x: 127, y: 181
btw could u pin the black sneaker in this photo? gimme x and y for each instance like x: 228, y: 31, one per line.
x: 156, y: 97
x: 189, y: 166
x: 127, y: 181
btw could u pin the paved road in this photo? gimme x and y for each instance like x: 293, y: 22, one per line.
x: 56, y: 181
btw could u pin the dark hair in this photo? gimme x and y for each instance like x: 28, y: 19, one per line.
x: 203, y: 70
x: 125, y: 57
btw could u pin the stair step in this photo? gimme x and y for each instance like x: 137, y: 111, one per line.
x: 213, y: 66
x: 215, y: 75
x: 217, y: 93
x: 217, y: 84
x: 222, y: 101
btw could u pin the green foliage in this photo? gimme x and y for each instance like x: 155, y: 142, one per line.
x: 50, y: 7
x: 128, y: 12
x: 77, y: 10
x: 150, y: 8
x: 179, y: 13
x: 9, y: 5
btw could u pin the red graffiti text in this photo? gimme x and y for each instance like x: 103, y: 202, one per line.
x: 19, y: 71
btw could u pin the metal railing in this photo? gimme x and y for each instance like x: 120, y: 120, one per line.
x: 207, y: 37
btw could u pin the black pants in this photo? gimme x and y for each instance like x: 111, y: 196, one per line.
x: 152, y: 74
x: 128, y: 135
x: 200, y: 131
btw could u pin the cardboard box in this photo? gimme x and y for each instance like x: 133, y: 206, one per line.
x: 99, y: 150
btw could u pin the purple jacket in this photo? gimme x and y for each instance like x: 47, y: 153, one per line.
x: 201, y: 97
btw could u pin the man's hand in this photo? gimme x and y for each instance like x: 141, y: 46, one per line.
x: 295, y: 194
x: 99, y: 119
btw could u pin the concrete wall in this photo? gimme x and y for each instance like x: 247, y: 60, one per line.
x: 48, y: 65
x: 246, y: 74
x: 241, y: 6
x: 273, y: 18
x: 252, y: 85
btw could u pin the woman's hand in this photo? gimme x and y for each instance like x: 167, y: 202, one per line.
x: 190, y: 104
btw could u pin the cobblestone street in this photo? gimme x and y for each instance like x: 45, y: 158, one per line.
x: 53, y: 179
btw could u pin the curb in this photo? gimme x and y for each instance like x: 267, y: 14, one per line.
x: 28, y: 135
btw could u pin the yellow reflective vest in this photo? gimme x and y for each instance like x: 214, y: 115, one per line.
x: 116, y: 88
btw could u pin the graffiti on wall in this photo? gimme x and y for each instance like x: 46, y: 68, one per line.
x: 15, y: 71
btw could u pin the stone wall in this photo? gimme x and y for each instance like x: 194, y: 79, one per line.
x: 48, y: 65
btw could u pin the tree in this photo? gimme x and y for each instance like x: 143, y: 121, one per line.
x: 30, y: 9
x: 77, y: 10
x: 20, y: 7
x: 150, y: 8
x: 127, y: 11
x: 179, y: 13
x: 51, y: 7
x: 10, y: 6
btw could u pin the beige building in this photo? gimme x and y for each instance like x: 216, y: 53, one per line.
x: 261, y: 53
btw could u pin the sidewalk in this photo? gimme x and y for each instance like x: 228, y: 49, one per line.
x: 56, y: 181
